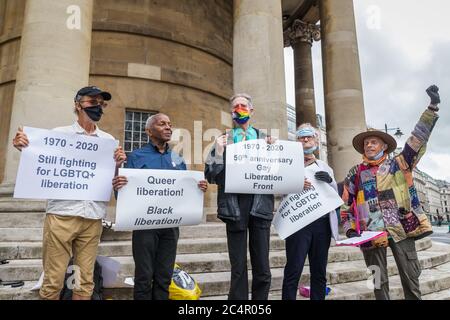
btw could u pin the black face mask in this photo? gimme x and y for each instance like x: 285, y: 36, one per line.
x: 94, y: 113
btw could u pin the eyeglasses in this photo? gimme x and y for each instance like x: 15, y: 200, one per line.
x: 305, y: 138
x: 94, y: 102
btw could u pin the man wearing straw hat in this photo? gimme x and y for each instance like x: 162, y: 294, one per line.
x: 379, y: 195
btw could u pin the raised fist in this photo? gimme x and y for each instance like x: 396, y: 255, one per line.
x: 433, y: 93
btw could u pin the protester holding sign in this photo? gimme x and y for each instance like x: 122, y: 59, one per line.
x: 379, y: 195
x: 314, y: 239
x: 243, y: 211
x: 73, y: 227
x: 256, y: 166
x: 154, y: 250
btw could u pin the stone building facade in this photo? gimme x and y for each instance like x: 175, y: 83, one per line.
x: 181, y: 57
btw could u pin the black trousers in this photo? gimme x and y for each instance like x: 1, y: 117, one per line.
x: 154, y: 253
x: 258, y: 231
x: 314, y: 241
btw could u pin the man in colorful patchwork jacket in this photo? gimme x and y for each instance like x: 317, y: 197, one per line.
x: 379, y: 195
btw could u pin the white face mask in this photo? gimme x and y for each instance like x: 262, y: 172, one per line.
x: 310, y: 150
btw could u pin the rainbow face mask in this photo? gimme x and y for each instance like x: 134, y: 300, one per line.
x: 241, y: 114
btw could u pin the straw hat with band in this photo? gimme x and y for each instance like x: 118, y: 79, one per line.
x: 358, y: 140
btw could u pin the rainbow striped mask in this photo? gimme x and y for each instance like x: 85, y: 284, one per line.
x: 241, y: 114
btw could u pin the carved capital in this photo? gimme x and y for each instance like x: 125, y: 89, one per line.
x: 301, y: 31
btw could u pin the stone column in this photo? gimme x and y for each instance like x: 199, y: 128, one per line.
x: 258, y: 61
x: 344, y: 105
x: 301, y: 36
x: 53, y: 64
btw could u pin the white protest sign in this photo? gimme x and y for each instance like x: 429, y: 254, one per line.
x: 365, y: 236
x: 296, y: 211
x: 154, y: 199
x: 57, y: 165
x: 260, y: 168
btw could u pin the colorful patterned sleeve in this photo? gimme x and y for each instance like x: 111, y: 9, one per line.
x: 348, y: 195
x: 415, y: 146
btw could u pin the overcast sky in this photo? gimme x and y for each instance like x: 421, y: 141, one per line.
x: 404, y: 46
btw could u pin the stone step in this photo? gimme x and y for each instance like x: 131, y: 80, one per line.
x: 434, y: 284
x: 397, y: 292
x: 191, y: 260
x: 196, y: 262
x: 33, y: 250
x: 206, y: 230
x: 435, y: 279
x: 214, y: 284
x: 21, y: 219
x: 212, y: 217
x: 212, y: 270
x: 22, y: 205
x: 6, y: 190
x: 439, y: 295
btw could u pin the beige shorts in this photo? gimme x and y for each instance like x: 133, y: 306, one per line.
x: 64, y: 237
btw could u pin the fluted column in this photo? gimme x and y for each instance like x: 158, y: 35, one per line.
x: 53, y: 64
x: 258, y: 61
x: 344, y: 105
x: 301, y: 36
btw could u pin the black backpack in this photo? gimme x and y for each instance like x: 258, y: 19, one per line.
x: 97, y: 294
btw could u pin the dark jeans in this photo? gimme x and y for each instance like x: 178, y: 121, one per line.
x: 314, y: 241
x: 154, y: 253
x: 259, y: 243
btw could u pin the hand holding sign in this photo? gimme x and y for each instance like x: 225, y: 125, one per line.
x: 152, y: 199
x: 221, y: 142
x: 203, y: 185
x: 118, y: 182
x: 119, y: 156
x: 20, y: 140
x: 257, y: 167
x: 307, y: 185
x: 58, y: 165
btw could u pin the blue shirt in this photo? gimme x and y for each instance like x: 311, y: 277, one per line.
x: 149, y: 157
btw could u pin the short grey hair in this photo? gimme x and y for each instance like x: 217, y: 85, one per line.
x: 242, y: 95
x: 151, y: 120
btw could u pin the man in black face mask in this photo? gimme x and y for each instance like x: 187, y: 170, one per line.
x: 89, y: 104
x: 73, y: 227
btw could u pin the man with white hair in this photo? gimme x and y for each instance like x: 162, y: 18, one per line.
x: 242, y: 212
x: 154, y: 250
